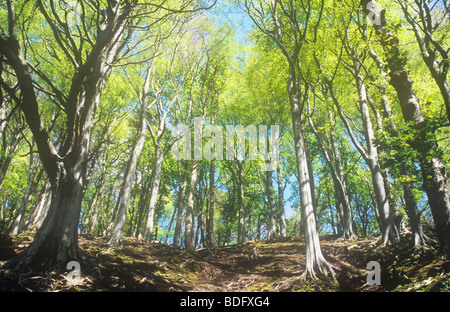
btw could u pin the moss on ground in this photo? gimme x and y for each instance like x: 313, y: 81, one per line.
x: 275, y: 265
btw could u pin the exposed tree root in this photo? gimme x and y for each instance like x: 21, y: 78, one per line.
x: 322, y: 268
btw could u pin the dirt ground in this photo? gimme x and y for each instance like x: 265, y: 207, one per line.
x: 256, y: 266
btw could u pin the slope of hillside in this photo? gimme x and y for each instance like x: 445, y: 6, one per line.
x: 256, y: 266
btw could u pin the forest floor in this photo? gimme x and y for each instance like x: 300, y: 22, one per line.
x: 256, y: 266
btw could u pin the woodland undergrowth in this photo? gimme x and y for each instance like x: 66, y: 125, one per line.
x: 266, y: 265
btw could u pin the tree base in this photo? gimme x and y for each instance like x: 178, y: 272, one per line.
x: 321, y: 267
x: 349, y: 237
x: 115, y: 240
x: 421, y: 241
x: 41, y: 257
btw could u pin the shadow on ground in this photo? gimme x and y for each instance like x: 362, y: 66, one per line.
x: 256, y: 266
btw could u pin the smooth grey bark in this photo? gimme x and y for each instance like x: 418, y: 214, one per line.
x: 149, y: 225
x: 160, y: 153
x: 33, y: 179
x: 434, y: 172
x: 189, y: 217
x: 211, y: 197
x: 143, y: 199
x: 163, y: 112
x: 240, y: 180
x: 11, y: 127
x: 3, y: 108
x: 189, y: 239
x: 386, y: 223
x: 211, y: 201
x: 95, y: 206
x: 412, y: 209
x: 315, y: 260
x: 371, y: 158
x: 40, y: 209
x: 281, y: 201
x: 314, y: 257
x: 199, y: 203
x: 388, y: 228
x: 237, y: 168
x: 271, y: 205
x: 342, y: 200
x: 114, y: 202
x: 180, y: 206
x: 54, y: 236
x: 125, y: 192
x: 348, y: 226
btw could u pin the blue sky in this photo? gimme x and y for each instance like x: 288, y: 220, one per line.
x: 224, y: 12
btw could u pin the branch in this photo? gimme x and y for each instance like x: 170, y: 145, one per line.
x: 10, y: 48
x: 56, y: 92
x: 347, y: 125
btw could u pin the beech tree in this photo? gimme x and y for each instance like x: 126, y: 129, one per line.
x: 206, y: 95
x: 125, y: 192
x: 88, y: 51
x: 56, y: 242
x: 289, y: 25
x: 434, y: 173
x: 332, y: 157
x: 390, y: 126
x: 176, y: 76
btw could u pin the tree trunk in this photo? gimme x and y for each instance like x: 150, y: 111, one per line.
x: 148, y: 232
x: 56, y: 242
x: 180, y: 206
x: 281, y: 201
x: 8, y: 152
x: 189, y: 217
x: 370, y: 155
x: 117, y: 232
x: 157, y: 213
x: 271, y: 205
x: 434, y: 173
x: 311, y: 177
x: 199, y: 195
x: 143, y: 199
x: 342, y: 200
x: 31, y: 186
x: 98, y: 198
x: 40, y: 210
x: 198, y: 241
x: 242, y: 235
x: 419, y: 238
x: 349, y: 231
x: 388, y: 228
x: 210, y: 219
x: 114, y: 211
x: 315, y: 260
